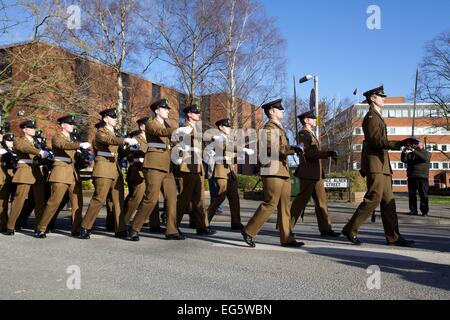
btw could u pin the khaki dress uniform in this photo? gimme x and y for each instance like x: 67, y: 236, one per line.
x: 158, y: 176
x: 27, y: 176
x: 226, y: 179
x: 311, y: 175
x: 375, y: 165
x: 193, y: 178
x: 277, y: 186
x: 6, y: 176
x: 64, y: 178
x: 107, y: 178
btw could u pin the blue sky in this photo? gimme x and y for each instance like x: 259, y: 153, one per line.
x: 331, y: 39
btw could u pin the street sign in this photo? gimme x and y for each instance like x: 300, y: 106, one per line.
x: 336, y: 183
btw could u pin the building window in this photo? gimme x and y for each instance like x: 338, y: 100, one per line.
x: 156, y: 92
x: 358, y: 131
x: 400, y: 182
x: 356, y: 165
x: 391, y: 130
x: 437, y: 183
x: 206, y: 112
x: 419, y: 113
x: 357, y: 147
x: 445, y: 165
x: 444, y: 147
x: 400, y: 165
x: 181, y: 106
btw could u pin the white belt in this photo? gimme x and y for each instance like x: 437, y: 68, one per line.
x: 105, y: 154
x: 158, y: 145
x: 64, y: 159
x: 28, y: 161
x: 140, y: 160
x: 223, y: 158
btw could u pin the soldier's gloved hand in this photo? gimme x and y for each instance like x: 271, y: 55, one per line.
x: 250, y: 152
x: 184, y: 130
x: 219, y: 138
x: 131, y: 141
x: 332, y: 154
x: 85, y: 145
x: 44, y: 154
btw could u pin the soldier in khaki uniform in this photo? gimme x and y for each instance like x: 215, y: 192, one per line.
x: 225, y: 176
x: 275, y: 177
x: 28, y: 175
x: 158, y: 173
x: 311, y: 175
x: 193, y: 175
x: 376, y: 167
x: 136, y: 181
x: 107, y: 176
x: 64, y: 178
x: 6, y: 176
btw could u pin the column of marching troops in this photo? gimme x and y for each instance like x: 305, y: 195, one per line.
x: 152, y: 171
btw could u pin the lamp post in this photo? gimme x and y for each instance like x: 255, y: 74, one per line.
x: 316, y: 98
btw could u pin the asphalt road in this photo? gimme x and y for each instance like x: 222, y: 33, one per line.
x: 223, y: 267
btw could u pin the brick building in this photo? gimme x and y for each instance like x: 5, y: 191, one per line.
x: 44, y: 81
x: 346, y: 135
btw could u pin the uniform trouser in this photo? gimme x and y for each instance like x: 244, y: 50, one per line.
x: 277, y: 195
x: 379, y: 192
x: 156, y: 181
x: 193, y: 192
x: 5, y: 192
x: 421, y: 185
x: 54, y: 202
x: 102, y: 187
x: 110, y: 221
x: 22, y: 191
x: 179, y: 183
x: 136, y: 192
x: 316, y: 190
x: 227, y: 188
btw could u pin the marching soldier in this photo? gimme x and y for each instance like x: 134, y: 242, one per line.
x: 193, y: 175
x: 275, y: 177
x: 7, y: 163
x: 158, y: 173
x: 28, y: 175
x: 135, y: 179
x: 64, y: 178
x: 107, y: 176
x: 376, y: 167
x: 311, y: 175
x: 225, y: 176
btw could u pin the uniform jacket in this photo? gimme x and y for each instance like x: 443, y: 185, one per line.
x: 6, y: 173
x: 374, y: 156
x: 62, y: 171
x: 27, y: 173
x: 192, y: 161
x: 106, y: 167
x: 137, y: 160
x: 311, y: 166
x: 418, y: 163
x: 278, y: 167
x: 158, y: 158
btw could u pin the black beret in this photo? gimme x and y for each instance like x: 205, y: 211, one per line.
x: 28, y: 124
x: 277, y: 104
x: 223, y: 122
x: 163, y: 103
x: 192, y: 109
x: 142, y: 121
x: 109, y: 113
x: 135, y: 133
x: 69, y: 119
x: 8, y: 137
x: 379, y: 91
x: 307, y: 114
x: 100, y: 124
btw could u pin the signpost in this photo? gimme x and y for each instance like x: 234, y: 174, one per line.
x: 340, y: 185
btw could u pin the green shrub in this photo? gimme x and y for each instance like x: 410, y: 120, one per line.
x: 247, y: 183
x: 357, y: 183
x: 87, y: 184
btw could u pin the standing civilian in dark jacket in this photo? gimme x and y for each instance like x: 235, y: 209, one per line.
x: 418, y: 161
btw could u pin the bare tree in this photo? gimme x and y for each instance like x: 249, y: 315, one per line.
x: 110, y: 33
x: 252, y: 66
x: 185, y: 39
x: 434, y: 80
